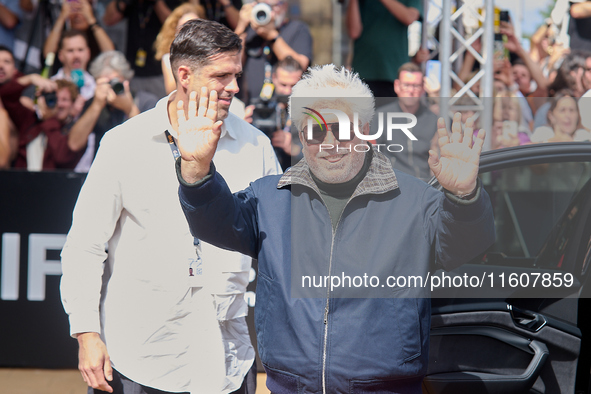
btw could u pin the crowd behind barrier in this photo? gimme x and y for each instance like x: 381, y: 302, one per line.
x: 558, y: 63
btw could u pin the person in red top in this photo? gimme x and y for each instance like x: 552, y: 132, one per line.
x: 12, y: 85
x: 52, y: 130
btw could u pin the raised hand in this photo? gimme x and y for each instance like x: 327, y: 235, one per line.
x: 457, y: 167
x: 198, y: 134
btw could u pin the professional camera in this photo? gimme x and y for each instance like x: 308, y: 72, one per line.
x: 261, y: 14
x: 50, y: 99
x: 270, y: 115
x: 117, y: 86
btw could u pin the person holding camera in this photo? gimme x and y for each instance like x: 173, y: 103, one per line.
x: 111, y: 105
x: 12, y: 85
x: 271, y: 116
x: 144, y: 21
x: 80, y: 16
x: 269, y: 36
x: 45, y: 144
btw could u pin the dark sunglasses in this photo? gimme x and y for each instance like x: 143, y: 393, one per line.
x: 319, y: 133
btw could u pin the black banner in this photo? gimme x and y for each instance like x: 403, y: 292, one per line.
x: 35, y: 216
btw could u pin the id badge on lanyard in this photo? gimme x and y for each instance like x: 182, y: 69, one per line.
x: 195, y: 266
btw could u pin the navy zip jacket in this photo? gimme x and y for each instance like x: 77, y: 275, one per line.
x: 358, y: 337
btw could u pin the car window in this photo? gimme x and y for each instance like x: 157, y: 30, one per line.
x: 528, y: 201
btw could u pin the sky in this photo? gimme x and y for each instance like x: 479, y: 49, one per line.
x: 531, y: 19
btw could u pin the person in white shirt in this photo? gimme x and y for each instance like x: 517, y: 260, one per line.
x: 152, y: 307
x: 74, y: 53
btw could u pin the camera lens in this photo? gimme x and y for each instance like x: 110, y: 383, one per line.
x: 117, y: 86
x: 261, y: 13
x: 50, y: 99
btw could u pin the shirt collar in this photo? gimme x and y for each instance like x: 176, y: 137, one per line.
x: 380, y: 177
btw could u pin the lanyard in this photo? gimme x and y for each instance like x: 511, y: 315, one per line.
x: 176, y: 154
x: 175, y: 150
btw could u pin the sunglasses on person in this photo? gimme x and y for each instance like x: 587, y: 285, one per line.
x: 319, y: 133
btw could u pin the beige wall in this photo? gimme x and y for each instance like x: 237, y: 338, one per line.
x: 317, y: 14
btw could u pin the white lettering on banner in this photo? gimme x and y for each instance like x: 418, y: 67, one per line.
x: 38, y: 265
x: 10, y: 266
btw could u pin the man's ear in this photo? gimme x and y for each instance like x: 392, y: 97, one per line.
x: 184, y: 76
x: 397, y: 86
x: 302, y: 136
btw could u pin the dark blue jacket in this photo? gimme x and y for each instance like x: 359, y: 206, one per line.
x: 355, y: 338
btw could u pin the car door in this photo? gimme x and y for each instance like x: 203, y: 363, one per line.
x: 521, y: 327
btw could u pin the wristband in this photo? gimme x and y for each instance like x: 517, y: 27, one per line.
x: 271, y: 42
x: 93, y: 26
x: 468, y: 196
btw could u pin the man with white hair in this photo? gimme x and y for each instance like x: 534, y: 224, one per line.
x: 339, y: 215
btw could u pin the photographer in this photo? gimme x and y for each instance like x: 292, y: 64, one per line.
x: 80, y: 16
x: 12, y: 85
x: 44, y: 144
x: 111, y: 105
x: 269, y: 37
x: 144, y: 21
x: 271, y: 116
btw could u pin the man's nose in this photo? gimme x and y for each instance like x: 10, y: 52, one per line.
x: 330, y: 138
x: 233, y: 86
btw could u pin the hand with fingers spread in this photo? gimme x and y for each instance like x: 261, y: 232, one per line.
x: 94, y: 362
x: 457, y: 167
x: 198, y: 134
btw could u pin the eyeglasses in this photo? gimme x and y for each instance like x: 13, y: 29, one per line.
x: 319, y: 133
x: 411, y: 86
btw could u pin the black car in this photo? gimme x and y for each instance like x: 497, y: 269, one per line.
x: 526, y: 330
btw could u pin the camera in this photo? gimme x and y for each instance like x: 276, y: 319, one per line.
x: 50, y: 99
x: 261, y: 14
x: 117, y: 86
x: 504, y: 16
x: 270, y: 115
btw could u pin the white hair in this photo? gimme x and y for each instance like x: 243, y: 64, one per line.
x: 111, y: 60
x: 323, y: 86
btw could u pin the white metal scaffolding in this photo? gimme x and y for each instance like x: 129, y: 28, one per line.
x: 451, y: 35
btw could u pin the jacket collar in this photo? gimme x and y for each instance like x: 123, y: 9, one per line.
x: 380, y: 177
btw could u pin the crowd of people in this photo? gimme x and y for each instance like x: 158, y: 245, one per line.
x: 543, y: 84
x: 112, y: 86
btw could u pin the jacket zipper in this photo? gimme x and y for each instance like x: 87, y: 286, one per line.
x: 326, y: 308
